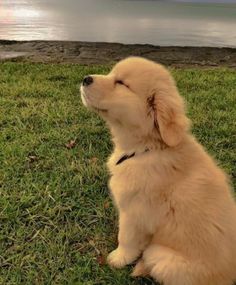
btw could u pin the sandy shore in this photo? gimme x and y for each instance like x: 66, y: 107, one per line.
x: 102, y: 53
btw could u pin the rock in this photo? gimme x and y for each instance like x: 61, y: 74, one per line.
x: 6, y: 55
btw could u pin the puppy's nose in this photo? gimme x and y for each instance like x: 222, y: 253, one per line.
x: 87, y: 80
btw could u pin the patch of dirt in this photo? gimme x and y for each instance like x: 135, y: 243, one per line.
x: 103, y: 53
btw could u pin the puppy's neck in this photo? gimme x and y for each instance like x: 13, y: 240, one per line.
x: 129, y: 141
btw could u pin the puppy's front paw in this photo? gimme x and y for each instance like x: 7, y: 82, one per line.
x: 119, y: 258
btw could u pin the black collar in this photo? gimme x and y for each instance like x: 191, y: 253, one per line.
x: 127, y: 156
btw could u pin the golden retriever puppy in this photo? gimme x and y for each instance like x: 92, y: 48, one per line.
x: 176, y: 209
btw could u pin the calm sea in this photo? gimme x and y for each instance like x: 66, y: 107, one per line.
x: 188, y: 23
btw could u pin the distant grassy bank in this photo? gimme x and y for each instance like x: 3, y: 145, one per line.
x: 91, y: 53
x: 57, y: 222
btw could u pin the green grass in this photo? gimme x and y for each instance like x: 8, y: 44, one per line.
x: 57, y: 222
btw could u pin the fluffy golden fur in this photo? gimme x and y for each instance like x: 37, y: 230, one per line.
x: 176, y: 211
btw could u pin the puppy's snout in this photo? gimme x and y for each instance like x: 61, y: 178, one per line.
x: 87, y: 80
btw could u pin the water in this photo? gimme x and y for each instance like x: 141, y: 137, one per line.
x: 184, y: 23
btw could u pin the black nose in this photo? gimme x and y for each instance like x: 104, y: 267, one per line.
x: 87, y: 80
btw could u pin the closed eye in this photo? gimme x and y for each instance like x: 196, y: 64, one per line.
x: 121, y: 83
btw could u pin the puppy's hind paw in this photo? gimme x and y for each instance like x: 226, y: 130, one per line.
x: 140, y: 269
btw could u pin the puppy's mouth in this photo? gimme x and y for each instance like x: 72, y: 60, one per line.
x: 88, y: 102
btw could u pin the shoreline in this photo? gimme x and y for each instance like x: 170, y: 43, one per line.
x: 96, y: 53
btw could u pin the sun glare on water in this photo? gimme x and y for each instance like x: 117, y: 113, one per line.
x: 24, y: 12
x: 13, y: 15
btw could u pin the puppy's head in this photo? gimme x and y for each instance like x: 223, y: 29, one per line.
x: 139, y: 95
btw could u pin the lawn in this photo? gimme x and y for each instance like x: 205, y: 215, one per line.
x: 57, y: 221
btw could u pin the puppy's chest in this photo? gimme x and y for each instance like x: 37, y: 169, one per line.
x: 125, y: 186
x: 129, y: 179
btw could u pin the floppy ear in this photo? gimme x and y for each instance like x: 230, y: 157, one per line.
x: 170, y: 117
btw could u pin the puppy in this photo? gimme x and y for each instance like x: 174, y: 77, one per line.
x: 176, y: 210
